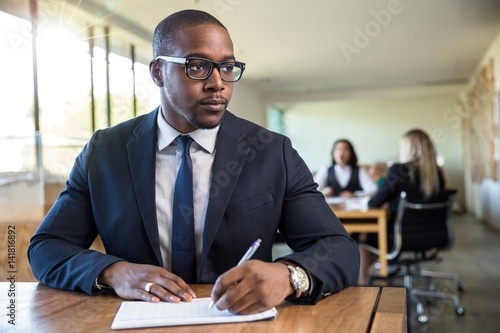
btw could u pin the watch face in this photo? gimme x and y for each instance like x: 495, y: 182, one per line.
x: 303, y: 279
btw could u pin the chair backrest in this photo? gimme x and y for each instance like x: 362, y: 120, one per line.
x: 423, y: 225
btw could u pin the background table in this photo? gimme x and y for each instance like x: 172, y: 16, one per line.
x: 371, y: 220
x: 356, y: 309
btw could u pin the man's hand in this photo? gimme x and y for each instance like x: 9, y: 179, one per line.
x: 129, y: 280
x: 252, y: 287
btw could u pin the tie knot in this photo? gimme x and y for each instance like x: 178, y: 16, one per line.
x: 184, y: 142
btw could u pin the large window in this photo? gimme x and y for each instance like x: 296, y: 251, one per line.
x: 276, y: 120
x: 65, y: 90
x: 21, y: 191
x: 17, y: 136
x: 146, y: 91
x: 64, y: 85
x: 121, y: 88
x: 78, y: 92
x: 100, y: 87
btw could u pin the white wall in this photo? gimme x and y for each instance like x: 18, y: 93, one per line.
x: 374, y: 126
x: 247, y: 103
x: 483, y: 198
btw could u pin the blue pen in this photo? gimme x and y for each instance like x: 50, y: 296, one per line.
x: 251, y: 250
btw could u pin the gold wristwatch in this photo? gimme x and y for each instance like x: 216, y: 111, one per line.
x: 299, y: 279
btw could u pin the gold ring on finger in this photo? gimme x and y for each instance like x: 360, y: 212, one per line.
x: 148, y: 286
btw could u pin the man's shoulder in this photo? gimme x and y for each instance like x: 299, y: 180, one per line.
x: 118, y: 136
x: 136, y: 125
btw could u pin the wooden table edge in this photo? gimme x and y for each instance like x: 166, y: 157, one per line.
x: 390, y: 314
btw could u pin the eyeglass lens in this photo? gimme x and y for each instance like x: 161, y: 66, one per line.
x: 201, y: 69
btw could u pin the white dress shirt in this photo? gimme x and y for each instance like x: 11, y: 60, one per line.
x: 168, y: 162
x: 343, y: 176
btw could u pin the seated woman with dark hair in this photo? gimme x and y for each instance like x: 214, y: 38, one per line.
x: 344, y: 178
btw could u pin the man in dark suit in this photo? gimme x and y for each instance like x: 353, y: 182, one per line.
x: 247, y: 183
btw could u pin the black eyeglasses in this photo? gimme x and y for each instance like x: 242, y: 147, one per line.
x: 201, y: 69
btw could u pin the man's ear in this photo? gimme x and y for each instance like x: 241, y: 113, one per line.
x: 155, y: 71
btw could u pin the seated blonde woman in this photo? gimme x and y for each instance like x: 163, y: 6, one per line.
x: 418, y: 175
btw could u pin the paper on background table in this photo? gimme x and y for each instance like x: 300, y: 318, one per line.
x: 335, y: 200
x: 138, y: 314
x: 358, y: 203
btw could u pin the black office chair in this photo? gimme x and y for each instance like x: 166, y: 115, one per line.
x: 422, y: 229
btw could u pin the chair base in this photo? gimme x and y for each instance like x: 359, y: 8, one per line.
x: 458, y: 285
x: 426, y: 292
x: 420, y: 284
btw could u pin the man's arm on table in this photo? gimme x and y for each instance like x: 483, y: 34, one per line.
x: 59, y: 251
x: 322, y: 247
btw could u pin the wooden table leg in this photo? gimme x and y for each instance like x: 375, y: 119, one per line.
x: 382, y: 244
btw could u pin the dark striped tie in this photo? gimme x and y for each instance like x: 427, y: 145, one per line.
x: 183, y: 241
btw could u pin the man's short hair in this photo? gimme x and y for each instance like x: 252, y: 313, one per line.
x: 163, y: 37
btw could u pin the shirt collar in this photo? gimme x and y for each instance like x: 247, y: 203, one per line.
x: 204, y: 137
x: 347, y: 168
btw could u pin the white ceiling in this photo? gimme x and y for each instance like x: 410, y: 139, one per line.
x: 293, y: 46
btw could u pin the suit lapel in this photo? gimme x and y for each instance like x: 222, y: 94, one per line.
x: 231, y: 153
x: 142, y: 158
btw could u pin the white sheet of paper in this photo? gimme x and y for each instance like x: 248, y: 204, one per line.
x: 359, y: 203
x: 335, y: 200
x: 137, y: 314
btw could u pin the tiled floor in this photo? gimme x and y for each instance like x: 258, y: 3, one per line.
x: 475, y: 257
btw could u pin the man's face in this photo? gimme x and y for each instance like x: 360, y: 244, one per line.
x: 189, y: 104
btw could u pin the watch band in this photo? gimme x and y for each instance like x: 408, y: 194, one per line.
x: 294, y: 281
x: 96, y: 285
x: 295, y: 277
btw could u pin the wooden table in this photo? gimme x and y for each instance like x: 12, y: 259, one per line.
x: 371, y: 220
x: 39, y: 308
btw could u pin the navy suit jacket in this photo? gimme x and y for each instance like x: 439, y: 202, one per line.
x: 259, y: 185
